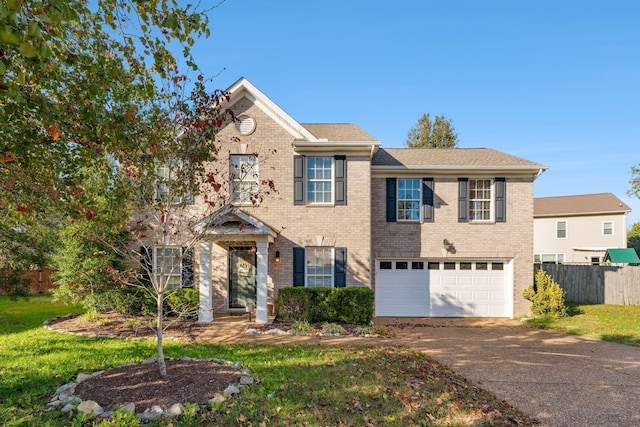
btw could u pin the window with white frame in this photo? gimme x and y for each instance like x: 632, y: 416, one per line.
x: 607, y: 228
x: 548, y: 258
x: 408, y: 199
x: 243, y: 176
x: 167, y: 266
x: 319, y: 180
x: 166, y: 176
x: 480, y: 200
x: 319, y: 267
x: 561, y: 229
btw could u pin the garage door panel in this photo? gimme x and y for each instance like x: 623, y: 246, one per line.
x: 437, y: 292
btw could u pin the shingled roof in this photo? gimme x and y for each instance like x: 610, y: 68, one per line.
x: 461, y: 158
x: 582, y: 204
x: 339, y: 132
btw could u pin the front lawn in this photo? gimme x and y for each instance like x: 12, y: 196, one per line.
x: 616, y: 323
x: 298, y: 385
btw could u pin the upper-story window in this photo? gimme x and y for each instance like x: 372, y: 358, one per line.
x: 168, y: 184
x: 243, y: 175
x: 409, y: 199
x: 482, y: 200
x: 319, y: 180
x: 607, y: 228
x: 561, y: 229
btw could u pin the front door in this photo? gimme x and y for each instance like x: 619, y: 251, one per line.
x: 242, y: 276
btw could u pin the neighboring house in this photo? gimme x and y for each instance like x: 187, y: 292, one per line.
x: 578, y: 229
x: 434, y: 232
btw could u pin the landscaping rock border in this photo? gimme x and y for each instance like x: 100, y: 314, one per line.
x: 65, y: 400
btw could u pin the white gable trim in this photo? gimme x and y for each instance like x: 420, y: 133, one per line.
x: 244, y: 88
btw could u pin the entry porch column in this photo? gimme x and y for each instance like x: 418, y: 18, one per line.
x: 205, y: 313
x: 262, y: 257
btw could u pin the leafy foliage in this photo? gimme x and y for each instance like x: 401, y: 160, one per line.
x: 437, y: 134
x: 546, y: 295
x: 633, y: 237
x: 346, y: 305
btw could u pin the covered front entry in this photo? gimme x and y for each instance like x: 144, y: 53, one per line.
x: 247, y: 240
x: 242, y: 276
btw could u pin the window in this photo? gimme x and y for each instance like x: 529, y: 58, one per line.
x: 385, y: 265
x: 167, y: 179
x: 449, y: 265
x: 433, y: 265
x: 167, y: 266
x: 409, y: 199
x: 561, y: 230
x: 319, y: 267
x: 480, y: 200
x: 481, y: 265
x: 607, y: 228
x: 319, y: 180
x: 417, y: 265
x: 465, y: 266
x: 548, y: 258
x: 243, y: 174
x: 402, y: 265
x: 497, y: 266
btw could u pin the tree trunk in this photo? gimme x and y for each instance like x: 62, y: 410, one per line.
x: 159, y: 331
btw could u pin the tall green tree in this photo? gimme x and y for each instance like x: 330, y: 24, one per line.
x: 437, y: 134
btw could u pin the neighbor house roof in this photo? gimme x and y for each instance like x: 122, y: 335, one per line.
x: 583, y: 204
x: 622, y: 256
x: 451, y: 159
x: 338, y: 132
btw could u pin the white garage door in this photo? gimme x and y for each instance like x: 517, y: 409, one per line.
x: 408, y: 288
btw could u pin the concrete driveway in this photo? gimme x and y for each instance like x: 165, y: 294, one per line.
x: 560, y: 379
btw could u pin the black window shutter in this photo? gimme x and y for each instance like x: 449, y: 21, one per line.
x: 341, y: 180
x: 298, y: 266
x: 501, y: 199
x: 187, y: 267
x: 391, y: 200
x: 463, y: 199
x: 340, y: 268
x: 427, y: 199
x: 146, y: 261
x: 298, y: 180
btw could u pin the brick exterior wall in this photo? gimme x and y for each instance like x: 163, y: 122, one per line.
x: 511, y: 240
x: 340, y: 226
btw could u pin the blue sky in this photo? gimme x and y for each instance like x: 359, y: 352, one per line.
x: 555, y: 82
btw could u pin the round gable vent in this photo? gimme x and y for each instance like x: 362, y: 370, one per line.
x: 245, y: 125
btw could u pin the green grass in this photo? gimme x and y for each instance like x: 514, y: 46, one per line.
x: 615, y: 323
x: 297, y: 385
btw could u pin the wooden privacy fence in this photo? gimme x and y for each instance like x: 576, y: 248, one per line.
x: 597, y: 284
x: 39, y: 280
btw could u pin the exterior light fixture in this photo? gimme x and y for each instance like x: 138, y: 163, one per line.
x: 277, y: 256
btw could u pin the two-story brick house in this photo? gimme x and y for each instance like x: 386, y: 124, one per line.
x: 445, y: 232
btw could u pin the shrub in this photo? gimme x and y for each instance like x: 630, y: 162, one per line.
x: 546, y: 295
x: 334, y: 305
x: 12, y: 284
x: 302, y: 328
x: 183, y: 303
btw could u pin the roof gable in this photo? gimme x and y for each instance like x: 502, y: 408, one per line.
x: 243, y: 88
x: 582, y: 204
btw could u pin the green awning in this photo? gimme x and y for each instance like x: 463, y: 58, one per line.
x: 622, y: 256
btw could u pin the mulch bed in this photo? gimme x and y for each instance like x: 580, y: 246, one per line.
x: 187, y: 381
